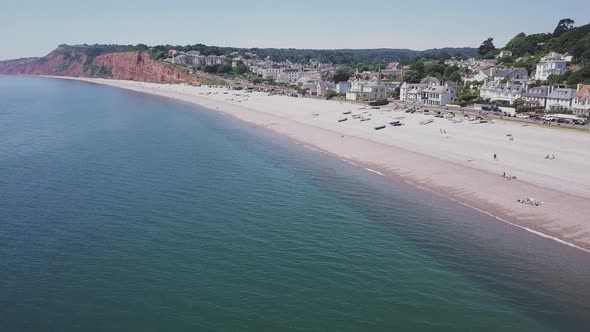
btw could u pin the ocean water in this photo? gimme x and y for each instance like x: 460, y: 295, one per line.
x: 121, y: 211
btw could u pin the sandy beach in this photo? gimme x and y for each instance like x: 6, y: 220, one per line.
x: 453, y: 159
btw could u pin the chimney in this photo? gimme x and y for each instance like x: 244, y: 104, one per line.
x: 579, y: 87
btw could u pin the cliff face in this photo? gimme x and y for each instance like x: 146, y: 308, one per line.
x: 136, y: 66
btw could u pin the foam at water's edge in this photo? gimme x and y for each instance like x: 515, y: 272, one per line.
x: 374, y: 171
x: 569, y: 244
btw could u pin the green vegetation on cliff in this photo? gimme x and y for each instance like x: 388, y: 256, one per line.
x: 565, y: 39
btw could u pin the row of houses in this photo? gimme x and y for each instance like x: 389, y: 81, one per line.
x: 559, y: 99
x: 551, y: 98
x: 194, y: 58
x: 482, y: 70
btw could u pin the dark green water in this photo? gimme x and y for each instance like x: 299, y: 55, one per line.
x: 126, y: 212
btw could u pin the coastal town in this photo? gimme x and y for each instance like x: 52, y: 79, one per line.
x: 510, y: 88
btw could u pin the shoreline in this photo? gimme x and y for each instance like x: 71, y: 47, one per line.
x: 562, y: 219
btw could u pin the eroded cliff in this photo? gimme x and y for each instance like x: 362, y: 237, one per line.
x: 84, y: 62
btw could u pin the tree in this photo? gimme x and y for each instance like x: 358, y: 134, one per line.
x: 452, y: 73
x: 342, y: 74
x: 330, y: 94
x: 564, y: 25
x: 487, y: 46
x: 240, y: 68
x: 412, y: 76
x: 519, y: 104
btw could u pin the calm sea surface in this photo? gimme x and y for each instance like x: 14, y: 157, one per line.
x: 121, y: 211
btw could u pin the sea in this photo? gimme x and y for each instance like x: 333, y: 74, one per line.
x: 122, y: 211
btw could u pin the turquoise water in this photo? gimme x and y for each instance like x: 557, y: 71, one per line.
x: 126, y: 212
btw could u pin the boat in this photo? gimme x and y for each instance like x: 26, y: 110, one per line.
x: 396, y: 123
x: 342, y: 120
x: 347, y: 112
x: 379, y: 127
x: 365, y: 119
x: 425, y: 122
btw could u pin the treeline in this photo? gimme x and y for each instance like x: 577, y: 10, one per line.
x: 565, y: 39
x: 424, y: 67
x: 363, y: 59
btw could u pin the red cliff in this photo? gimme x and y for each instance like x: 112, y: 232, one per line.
x: 136, y: 66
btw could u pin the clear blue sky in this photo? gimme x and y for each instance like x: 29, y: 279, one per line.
x: 35, y: 27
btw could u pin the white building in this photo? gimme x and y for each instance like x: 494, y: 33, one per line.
x: 429, y: 92
x: 366, y: 91
x: 269, y: 72
x: 342, y: 87
x: 536, y: 97
x: 439, y: 95
x: 581, y: 101
x: 287, y: 75
x: 504, y: 54
x: 496, y: 90
x: 512, y: 74
x: 559, y: 99
x: 194, y: 58
x: 551, y: 64
x: 323, y: 86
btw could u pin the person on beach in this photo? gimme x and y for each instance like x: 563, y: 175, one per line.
x: 495, y: 156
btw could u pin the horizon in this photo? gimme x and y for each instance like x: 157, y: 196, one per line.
x: 329, y: 26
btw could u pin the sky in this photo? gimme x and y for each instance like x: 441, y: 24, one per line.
x: 35, y: 27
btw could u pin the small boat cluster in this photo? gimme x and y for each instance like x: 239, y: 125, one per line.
x: 365, y: 116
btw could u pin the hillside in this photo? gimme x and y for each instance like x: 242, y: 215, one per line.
x: 575, y: 41
x: 98, y: 63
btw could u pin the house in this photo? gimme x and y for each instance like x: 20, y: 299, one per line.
x: 409, y: 91
x: 342, y: 87
x: 438, y: 95
x: 310, y: 86
x: 394, y: 69
x: 323, y: 86
x: 504, y: 53
x: 194, y: 58
x: 512, y: 74
x: 559, y: 99
x: 482, y: 75
x: 536, y: 97
x: 551, y: 64
x: 496, y: 90
x: 287, y: 75
x: 581, y: 101
x: 366, y: 91
x: 429, y: 91
x: 270, y: 72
